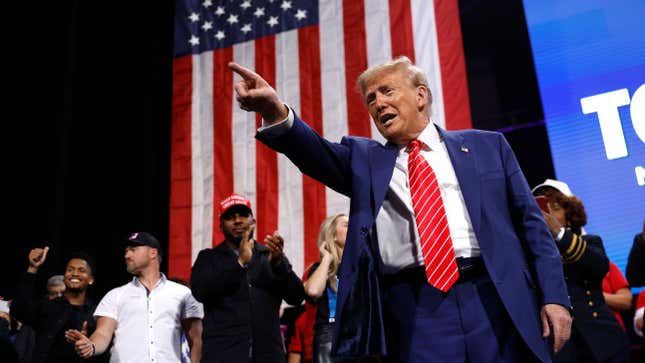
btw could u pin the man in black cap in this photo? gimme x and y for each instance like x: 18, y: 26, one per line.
x: 242, y: 284
x: 146, y: 316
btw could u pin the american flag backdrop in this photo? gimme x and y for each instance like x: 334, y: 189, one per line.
x: 312, y: 53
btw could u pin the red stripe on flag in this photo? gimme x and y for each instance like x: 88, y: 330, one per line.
x: 181, y: 170
x: 314, y: 201
x: 266, y: 161
x: 402, y: 40
x: 222, y: 133
x: 453, y: 66
x: 358, y: 120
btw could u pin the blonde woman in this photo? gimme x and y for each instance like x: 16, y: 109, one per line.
x: 322, y: 285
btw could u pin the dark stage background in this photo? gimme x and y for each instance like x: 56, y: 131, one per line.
x: 87, y: 169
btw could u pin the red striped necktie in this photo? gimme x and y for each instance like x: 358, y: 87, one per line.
x: 432, y: 222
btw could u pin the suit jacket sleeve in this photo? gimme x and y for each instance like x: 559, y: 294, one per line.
x: 534, y: 233
x: 635, y: 270
x: 214, y: 275
x: 315, y: 156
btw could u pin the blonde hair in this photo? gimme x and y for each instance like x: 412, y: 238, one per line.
x: 327, y: 235
x: 415, y: 74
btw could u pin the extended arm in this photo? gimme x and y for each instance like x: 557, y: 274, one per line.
x: 95, y: 344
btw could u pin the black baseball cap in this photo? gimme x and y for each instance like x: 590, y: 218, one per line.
x: 143, y: 239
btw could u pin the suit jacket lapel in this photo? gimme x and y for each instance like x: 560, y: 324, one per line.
x: 462, y: 156
x: 381, y: 163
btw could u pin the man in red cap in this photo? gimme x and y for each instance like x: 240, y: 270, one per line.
x: 242, y: 284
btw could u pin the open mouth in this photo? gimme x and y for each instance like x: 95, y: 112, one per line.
x: 387, y: 119
x: 74, y: 280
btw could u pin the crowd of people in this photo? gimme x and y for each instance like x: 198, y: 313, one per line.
x: 444, y: 256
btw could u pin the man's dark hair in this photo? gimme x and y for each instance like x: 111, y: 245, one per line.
x: 85, y: 257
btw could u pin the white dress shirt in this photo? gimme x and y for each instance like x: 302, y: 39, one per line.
x: 398, y: 238
x: 148, y: 324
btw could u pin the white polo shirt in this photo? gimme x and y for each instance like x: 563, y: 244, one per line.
x: 148, y: 325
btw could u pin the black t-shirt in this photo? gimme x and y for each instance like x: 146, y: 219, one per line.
x: 61, y: 350
x: 322, y: 303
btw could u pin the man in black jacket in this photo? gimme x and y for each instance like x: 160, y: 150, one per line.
x: 241, y: 284
x: 51, y: 318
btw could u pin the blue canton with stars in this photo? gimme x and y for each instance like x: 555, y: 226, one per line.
x: 203, y: 25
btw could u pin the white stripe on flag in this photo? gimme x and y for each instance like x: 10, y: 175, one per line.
x: 244, y: 132
x: 290, y: 201
x: 379, y: 49
x: 202, y: 152
x: 334, y: 103
x: 427, y: 54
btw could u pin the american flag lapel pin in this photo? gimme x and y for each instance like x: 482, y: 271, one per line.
x: 464, y: 149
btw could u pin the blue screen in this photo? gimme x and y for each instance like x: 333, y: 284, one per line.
x: 590, y: 62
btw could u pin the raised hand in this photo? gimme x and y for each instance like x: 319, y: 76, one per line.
x: 325, y: 255
x: 37, y: 257
x: 256, y: 95
x: 552, y: 222
x: 246, y: 248
x: 275, y: 243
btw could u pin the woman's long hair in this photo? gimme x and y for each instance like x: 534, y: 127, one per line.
x: 327, y: 238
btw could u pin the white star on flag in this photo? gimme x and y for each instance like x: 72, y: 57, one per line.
x: 259, y: 12
x: 219, y: 35
x: 232, y: 19
x: 273, y: 20
x: 245, y: 5
x: 207, y: 3
x: 219, y: 11
x: 286, y: 5
x: 208, y: 25
x: 194, y: 41
x: 301, y: 14
x: 194, y: 17
x: 246, y: 28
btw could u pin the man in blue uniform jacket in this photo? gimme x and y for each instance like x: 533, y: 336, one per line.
x: 509, y: 294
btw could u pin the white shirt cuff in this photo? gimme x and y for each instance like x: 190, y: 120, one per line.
x: 638, y: 314
x: 279, y: 128
x: 560, y: 234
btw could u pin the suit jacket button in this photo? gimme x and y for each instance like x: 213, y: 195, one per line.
x: 588, y: 293
x: 364, y: 230
x: 594, y: 314
x: 590, y: 303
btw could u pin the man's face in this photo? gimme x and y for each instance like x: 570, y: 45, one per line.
x: 397, y: 107
x: 137, y: 258
x: 78, y: 275
x: 55, y: 291
x: 235, y: 222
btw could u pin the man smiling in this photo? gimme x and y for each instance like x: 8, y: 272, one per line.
x: 51, y: 318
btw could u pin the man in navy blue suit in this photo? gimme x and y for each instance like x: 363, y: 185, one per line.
x: 509, y: 295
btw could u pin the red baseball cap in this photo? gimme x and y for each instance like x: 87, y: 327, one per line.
x: 231, y: 201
